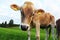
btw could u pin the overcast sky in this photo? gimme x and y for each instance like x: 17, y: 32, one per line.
x: 6, y: 13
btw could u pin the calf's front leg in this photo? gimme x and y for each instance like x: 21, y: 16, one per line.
x: 29, y: 33
x: 37, y: 31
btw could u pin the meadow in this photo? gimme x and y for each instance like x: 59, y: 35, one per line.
x: 17, y: 34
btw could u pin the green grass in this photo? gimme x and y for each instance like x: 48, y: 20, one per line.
x: 18, y: 34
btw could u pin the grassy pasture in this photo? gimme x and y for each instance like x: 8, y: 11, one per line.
x: 18, y: 34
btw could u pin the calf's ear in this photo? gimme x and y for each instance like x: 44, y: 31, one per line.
x: 15, y: 7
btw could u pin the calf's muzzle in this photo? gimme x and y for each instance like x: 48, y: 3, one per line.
x: 24, y: 27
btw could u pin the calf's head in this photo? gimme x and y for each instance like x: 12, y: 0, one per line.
x: 26, y: 14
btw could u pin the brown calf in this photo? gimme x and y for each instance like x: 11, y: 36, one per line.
x: 39, y: 17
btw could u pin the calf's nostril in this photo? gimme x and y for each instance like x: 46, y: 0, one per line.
x: 24, y: 27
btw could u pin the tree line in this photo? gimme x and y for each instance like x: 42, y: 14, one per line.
x: 10, y: 24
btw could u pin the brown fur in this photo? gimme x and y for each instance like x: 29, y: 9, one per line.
x: 27, y: 2
x: 44, y: 18
x: 28, y: 11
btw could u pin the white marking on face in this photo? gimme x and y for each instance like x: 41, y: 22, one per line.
x: 25, y: 24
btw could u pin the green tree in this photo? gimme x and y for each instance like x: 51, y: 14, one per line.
x: 5, y: 24
x: 11, y: 22
x: 2, y: 25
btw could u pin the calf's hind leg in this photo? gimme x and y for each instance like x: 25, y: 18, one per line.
x: 47, y: 34
x: 52, y: 30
